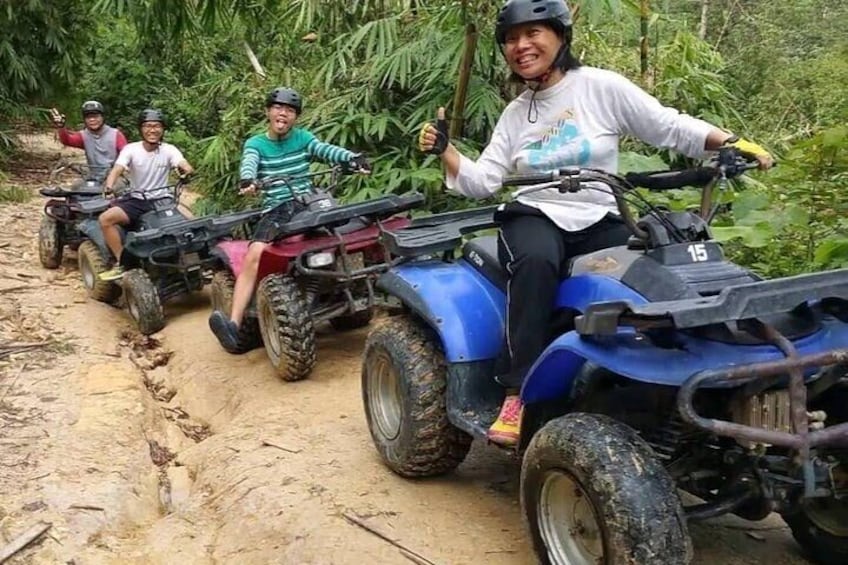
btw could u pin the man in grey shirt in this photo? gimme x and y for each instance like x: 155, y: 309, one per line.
x: 148, y: 162
x: 101, y: 142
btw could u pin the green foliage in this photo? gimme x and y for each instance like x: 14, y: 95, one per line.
x: 41, y: 43
x: 14, y: 194
x: 795, y: 223
x: 372, y: 71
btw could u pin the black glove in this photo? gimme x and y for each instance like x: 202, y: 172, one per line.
x: 186, y: 178
x: 358, y: 164
x: 441, y: 125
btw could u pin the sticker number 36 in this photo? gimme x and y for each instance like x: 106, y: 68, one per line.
x: 698, y: 252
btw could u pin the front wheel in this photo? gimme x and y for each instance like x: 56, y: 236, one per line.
x: 592, y: 491
x: 50, y: 243
x: 404, y: 384
x: 143, y: 301
x: 286, y: 327
x: 820, y: 525
x: 91, y: 264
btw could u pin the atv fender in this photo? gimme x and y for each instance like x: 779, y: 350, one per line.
x: 221, y: 254
x: 634, y: 357
x: 231, y: 254
x: 91, y: 229
x: 464, y: 308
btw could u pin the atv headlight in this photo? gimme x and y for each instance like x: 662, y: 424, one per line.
x: 321, y: 259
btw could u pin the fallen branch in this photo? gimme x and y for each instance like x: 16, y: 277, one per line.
x: 87, y: 507
x: 24, y: 540
x: 267, y: 443
x: 15, y: 288
x: 405, y: 551
x: 12, y: 385
x: 12, y: 348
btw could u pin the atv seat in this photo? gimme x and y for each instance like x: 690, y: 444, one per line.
x: 482, y: 254
x: 166, y: 214
x: 92, y: 205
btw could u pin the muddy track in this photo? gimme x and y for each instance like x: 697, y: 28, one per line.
x: 167, y: 450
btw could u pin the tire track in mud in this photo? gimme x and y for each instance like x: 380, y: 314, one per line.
x: 150, y: 357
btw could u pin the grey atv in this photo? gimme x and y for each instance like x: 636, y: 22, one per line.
x: 70, y: 215
x: 169, y: 256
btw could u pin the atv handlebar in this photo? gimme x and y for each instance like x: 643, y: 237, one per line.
x: 727, y: 164
x: 175, y: 188
x: 86, y: 171
x: 335, y: 172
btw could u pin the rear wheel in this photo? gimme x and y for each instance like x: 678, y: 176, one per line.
x: 286, y: 327
x: 50, y: 243
x: 404, y: 384
x: 143, y: 301
x: 91, y: 264
x: 221, y: 289
x: 593, y: 492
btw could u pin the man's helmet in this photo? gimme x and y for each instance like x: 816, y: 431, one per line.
x: 286, y: 96
x: 91, y: 107
x: 516, y: 12
x: 151, y: 115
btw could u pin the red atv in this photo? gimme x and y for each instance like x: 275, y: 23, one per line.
x: 322, y: 268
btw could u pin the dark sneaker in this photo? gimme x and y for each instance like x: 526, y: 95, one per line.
x: 225, y: 330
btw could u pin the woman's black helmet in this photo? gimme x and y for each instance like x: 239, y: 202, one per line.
x: 287, y: 96
x: 516, y: 12
x: 91, y: 107
x: 151, y: 115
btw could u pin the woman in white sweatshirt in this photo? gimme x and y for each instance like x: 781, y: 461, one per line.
x: 570, y: 115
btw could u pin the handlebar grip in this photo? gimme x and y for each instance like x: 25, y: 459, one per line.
x: 529, y: 179
x: 667, y: 180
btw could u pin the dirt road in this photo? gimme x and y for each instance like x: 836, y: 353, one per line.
x: 169, y: 450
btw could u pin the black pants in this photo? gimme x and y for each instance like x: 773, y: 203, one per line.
x: 271, y: 225
x: 536, y: 254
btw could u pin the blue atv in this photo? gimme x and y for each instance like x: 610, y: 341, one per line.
x: 672, y: 368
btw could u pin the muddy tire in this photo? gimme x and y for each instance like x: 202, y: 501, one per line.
x: 143, y: 303
x: 352, y: 321
x: 91, y: 263
x: 221, y: 289
x: 820, y: 525
x: 592, y: 491
x: 286, y: 327
x: 404, y: 383
x: 50, y: 243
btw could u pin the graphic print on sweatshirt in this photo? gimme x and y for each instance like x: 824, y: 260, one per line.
x: 561, y: 145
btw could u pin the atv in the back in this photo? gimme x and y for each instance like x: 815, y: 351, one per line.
x: 322, y: 268
x: 70, y: 215
x: 669, y: 367
x: 170, y: 255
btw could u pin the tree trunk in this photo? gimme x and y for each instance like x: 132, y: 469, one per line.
x: 702, y: 27
x: 644, y: 20
x: 458, y: 113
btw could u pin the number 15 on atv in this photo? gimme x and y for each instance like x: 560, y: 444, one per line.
x: 671, y: 368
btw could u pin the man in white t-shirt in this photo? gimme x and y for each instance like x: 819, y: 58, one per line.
x: 149, y: 163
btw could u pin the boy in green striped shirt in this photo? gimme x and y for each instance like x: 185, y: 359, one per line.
x: 283, y: 150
